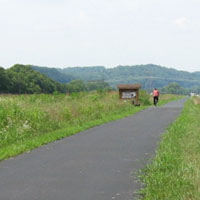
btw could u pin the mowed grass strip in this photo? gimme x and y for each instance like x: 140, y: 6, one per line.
x: 29, y: 121
x: 174, y: 173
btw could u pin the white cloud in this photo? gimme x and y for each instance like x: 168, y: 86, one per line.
x: 182, y: 22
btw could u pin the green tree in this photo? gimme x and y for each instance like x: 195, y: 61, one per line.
x: 76, y: 86
x: 4, y: 81
x: 174, y: 88
x: 23, y: 79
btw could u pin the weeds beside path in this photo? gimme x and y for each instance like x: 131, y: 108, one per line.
x: 29, y: 121
x: 174, y: 173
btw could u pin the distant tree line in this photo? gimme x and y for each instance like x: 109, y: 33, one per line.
x: 27, y: 79
x: 22, y: 79
x: 149, y: 76
x: 175, y: 88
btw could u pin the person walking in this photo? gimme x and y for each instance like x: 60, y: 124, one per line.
x: 156, y: 95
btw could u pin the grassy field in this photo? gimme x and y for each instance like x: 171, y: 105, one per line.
x: 29, y: 121
x: 174, y: 173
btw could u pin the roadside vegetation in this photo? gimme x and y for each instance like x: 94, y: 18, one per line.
x: 174, y: 173
x: 29, y: 121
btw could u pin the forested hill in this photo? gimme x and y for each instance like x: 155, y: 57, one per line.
x: 21, y: 79
x: 25, y: 79
x: 54, y: 74
x: 148, y: 75
x: 33, y: 79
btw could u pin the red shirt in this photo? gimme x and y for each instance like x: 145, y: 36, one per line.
x: 156, y: 93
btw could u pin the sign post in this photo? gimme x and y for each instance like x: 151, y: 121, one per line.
x: 130, y: 92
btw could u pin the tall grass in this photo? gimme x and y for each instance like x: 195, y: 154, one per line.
x: 28, y: 121
x: 196, y: 100
x: 174, y: 174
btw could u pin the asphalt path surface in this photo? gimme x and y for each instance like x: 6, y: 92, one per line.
x: 97, y: 164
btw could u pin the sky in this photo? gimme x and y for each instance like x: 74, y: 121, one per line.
x: 67, y: 33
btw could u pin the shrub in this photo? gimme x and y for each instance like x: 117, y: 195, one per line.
x: 144, y: 98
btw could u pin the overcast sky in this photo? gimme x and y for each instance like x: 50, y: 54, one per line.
x: 62, y: 33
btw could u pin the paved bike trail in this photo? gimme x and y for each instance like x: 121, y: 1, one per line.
x: 97, y: 164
